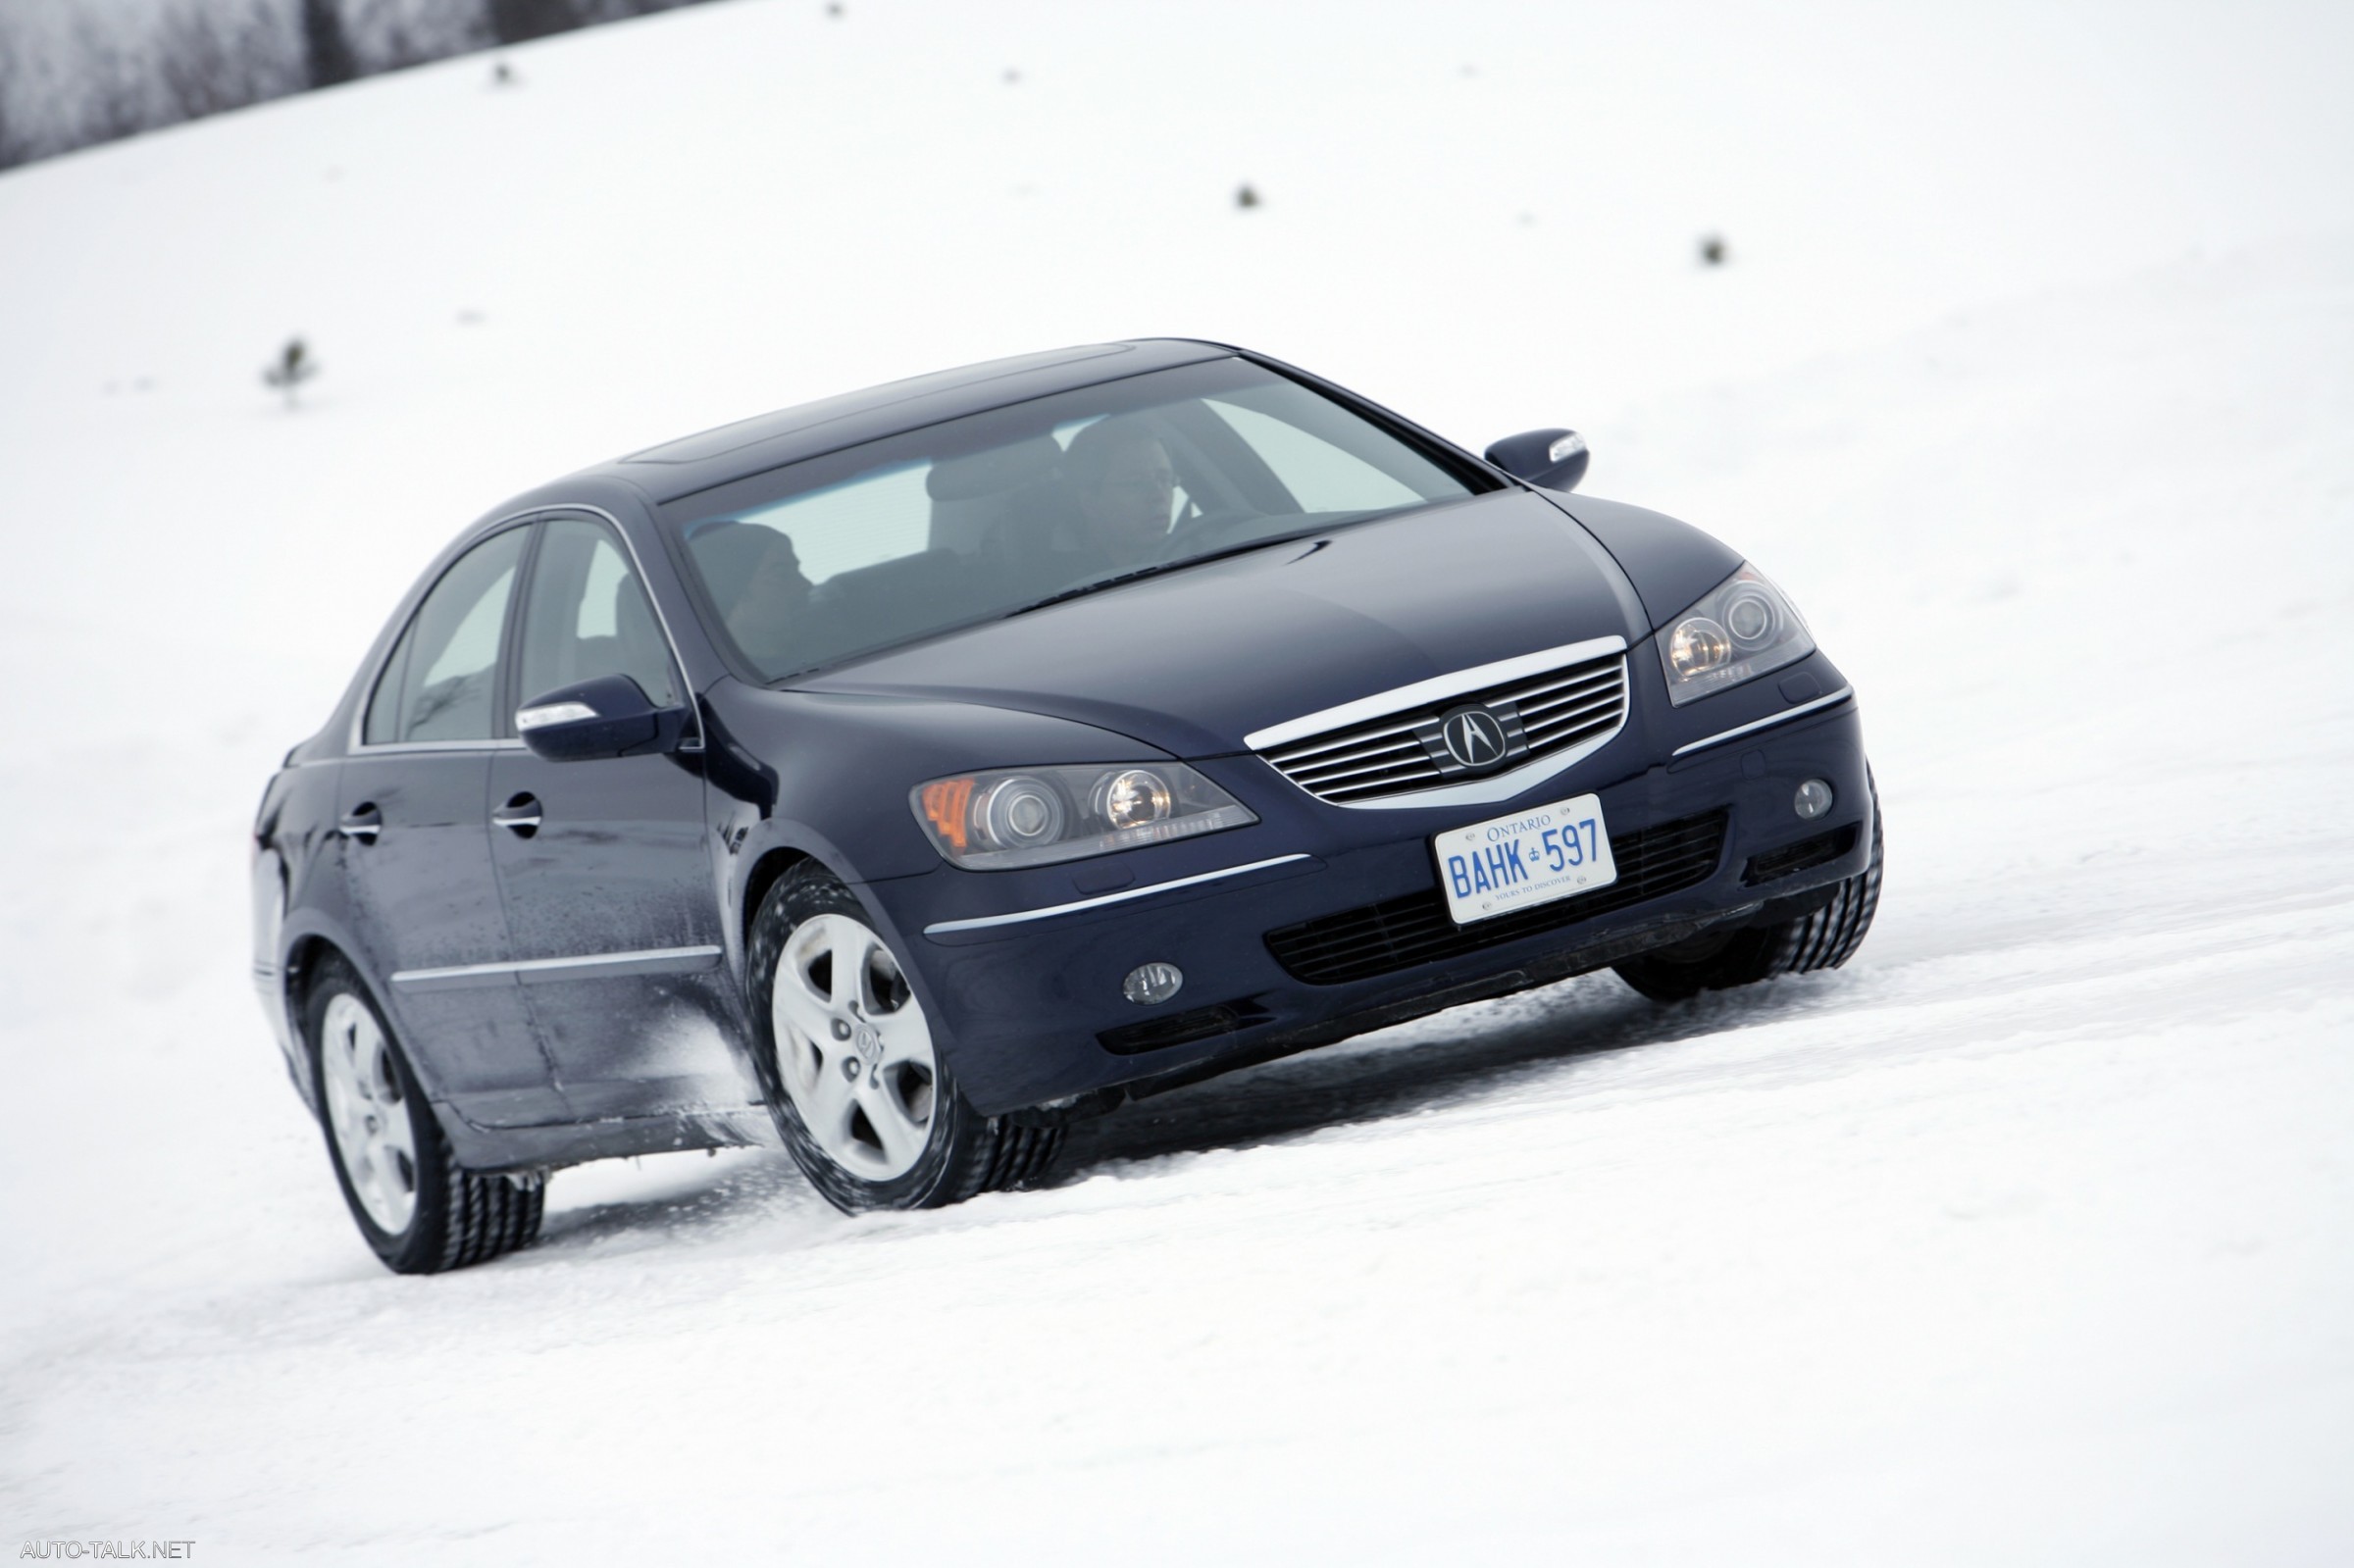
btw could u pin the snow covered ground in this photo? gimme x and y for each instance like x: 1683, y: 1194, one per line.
x: 2026, y: 1238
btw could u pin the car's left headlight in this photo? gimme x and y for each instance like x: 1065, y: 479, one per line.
x: 1741, y: 630
x: 1009, y: 817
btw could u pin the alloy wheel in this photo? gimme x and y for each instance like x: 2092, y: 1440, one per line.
x: 369, y: 1114
x: 853, y: 1049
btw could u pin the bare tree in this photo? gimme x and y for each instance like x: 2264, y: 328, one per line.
x: 395, y: 34
x: 113, y: 71
x: 35, y: 117
x: 521, y: 21
x: 212, y: 58
x: 16, y: 143
x: 113, y: 97
x: 327, y: 55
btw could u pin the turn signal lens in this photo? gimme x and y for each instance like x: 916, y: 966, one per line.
x: 942, y: 803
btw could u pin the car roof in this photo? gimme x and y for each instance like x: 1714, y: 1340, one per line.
x: 764, y: 441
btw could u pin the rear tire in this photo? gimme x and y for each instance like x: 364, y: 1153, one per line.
x: 1821, y: 939
x: 865, y: 1104
x: 417, y: 1210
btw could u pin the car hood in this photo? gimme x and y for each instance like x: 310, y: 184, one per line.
x: 1193, y: 661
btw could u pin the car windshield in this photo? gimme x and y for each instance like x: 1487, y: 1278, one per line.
x: 977, y: 518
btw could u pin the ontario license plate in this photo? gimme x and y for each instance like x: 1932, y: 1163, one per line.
x: 1528, y: 858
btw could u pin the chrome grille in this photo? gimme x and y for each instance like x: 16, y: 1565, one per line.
x: 1396, y: 753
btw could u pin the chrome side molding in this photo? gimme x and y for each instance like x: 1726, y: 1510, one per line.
x: 981, y: 923
x: 589, y: 966
x: 1772, y: 719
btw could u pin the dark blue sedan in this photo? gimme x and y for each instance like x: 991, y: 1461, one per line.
x: 904, y: 776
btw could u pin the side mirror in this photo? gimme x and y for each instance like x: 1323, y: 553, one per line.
x: 1554, y: 459
x: 608, y: 717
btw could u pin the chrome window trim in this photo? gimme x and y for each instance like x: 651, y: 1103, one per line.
x: 394, y: 747
x: 1435, y: 690
x: 642, y: 961
x: 942, y: 926
x: 354, y: 745
x: 1784, y: 717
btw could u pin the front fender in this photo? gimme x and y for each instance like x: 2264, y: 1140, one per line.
x: 746, y: 841
x: 830, y: 775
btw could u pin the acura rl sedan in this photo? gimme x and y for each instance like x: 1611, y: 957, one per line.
x: 901, y: 776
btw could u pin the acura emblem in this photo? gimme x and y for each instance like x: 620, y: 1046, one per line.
x: 1473, y: 736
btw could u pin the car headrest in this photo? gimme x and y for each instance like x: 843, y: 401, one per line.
x: 728, y: 552
x: 992, y: 471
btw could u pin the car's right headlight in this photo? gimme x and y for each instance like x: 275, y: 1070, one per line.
x: 1741, y: 630
x: 1009, y: 817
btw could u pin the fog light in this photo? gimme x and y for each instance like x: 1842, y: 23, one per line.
x: 1148, y: 984
x: 1813, y: 799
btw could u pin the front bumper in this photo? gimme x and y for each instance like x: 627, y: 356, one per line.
x: 1030, y: 1013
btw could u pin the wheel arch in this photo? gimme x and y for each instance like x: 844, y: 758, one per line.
x: 771, y: 868
x: 766, y: 851
x: 297, y: 970
x: 771, y: 863
x: 306, y: 954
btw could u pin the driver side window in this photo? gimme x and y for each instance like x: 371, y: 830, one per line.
x: 586, y: 615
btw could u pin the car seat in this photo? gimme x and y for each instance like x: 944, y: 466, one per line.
x: 974, y: 496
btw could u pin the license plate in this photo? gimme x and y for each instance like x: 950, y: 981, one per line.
x: 1528, y: 858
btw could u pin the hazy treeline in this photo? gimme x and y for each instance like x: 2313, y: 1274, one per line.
x: 110, y: 72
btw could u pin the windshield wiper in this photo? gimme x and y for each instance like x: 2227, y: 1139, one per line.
x: 1118, y: 578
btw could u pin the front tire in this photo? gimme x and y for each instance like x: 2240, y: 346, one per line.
x: 859, y: 1095
x: 417, y: 1210
x: 1821, y: 938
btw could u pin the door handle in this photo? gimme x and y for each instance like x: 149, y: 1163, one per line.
x: 362, y: 822
x: 519, y: 816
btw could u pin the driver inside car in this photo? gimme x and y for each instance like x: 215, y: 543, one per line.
x: 758, y: 584
x: 1121, y: 478
x: 1120, y: 490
